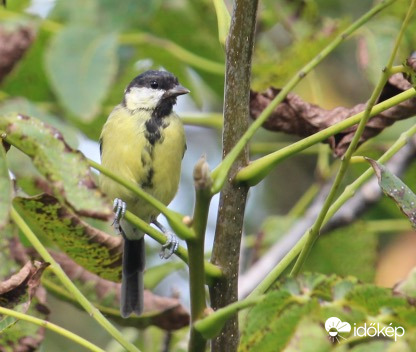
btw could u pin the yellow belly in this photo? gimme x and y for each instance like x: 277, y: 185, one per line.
x: 127, y: 152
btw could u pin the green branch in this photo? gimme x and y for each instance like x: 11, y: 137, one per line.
x: 53, y: 327
x: 174, y: 219
x: 213, y: 120
x: 66, y: 281
x: 220, y: 174
x: 348, y: 193
x: 202, y: 181
x: 350, y: 190
x: 210, y: 326
x: 174, y: 49
x: 345, y: 162
x: 258, y: 169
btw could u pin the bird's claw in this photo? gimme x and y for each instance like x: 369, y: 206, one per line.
x: 170, y: 247
x: 119, y: 208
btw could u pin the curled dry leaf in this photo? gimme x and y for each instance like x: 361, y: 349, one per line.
x: 22, y: 293
x: 13, y: 45
x: 22, y: 285
x: 296, y: 116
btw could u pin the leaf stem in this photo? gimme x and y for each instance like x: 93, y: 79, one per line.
x: 66, y: 281
x: 213, y: 120
x: 179, y: 52
x: 211, y: 325
x: 348, y: 193
x: 202, y: 181
x: 221, y: 172
x: 345, y: 162
x: 53, y: 327
x: 258, y: 169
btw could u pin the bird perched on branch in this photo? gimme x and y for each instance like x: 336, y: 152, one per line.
x: 143, y: 141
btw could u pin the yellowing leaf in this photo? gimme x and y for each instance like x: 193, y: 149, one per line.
x: 91, y: 248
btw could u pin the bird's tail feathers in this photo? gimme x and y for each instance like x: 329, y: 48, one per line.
x: 132, y: 277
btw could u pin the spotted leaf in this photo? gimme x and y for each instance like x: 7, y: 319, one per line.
x: 393, y: 187
x: 66, y: 169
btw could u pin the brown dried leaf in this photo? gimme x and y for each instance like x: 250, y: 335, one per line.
x: 22, y: 284
x: 13, y: 45
x: 296, y: 116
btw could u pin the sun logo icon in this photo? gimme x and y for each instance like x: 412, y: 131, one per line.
x: 334, y: 326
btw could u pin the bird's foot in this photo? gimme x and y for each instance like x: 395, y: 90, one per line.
x: 119, y: 208
x: 170, y: 247
x: 172, y: 242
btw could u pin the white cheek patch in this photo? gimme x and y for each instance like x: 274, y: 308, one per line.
x: 142, y: 98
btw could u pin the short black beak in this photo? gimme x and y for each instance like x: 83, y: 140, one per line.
x: 175, y: 91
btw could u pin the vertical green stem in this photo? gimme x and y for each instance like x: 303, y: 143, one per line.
x: 314, y: 230
x: 196, y: 266
x: 66, y: 281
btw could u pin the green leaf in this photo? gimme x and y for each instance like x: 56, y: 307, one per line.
x: 309, y: 337
x: 293, y: 314
x: 272, y: 323
x: 93, y: 249
x: 349, y: 250
x: 393, y: 187
x: 81, y: 63
x: 66, y: 169
x: 5, y: 189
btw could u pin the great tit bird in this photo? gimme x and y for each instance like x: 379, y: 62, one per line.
x: 143, y: 141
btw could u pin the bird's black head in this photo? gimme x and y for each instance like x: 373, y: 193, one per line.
x: 155, y: 91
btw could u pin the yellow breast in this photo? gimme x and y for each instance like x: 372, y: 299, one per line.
x: 127, y: 150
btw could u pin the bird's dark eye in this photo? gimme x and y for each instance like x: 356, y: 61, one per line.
x: 154, y: 84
